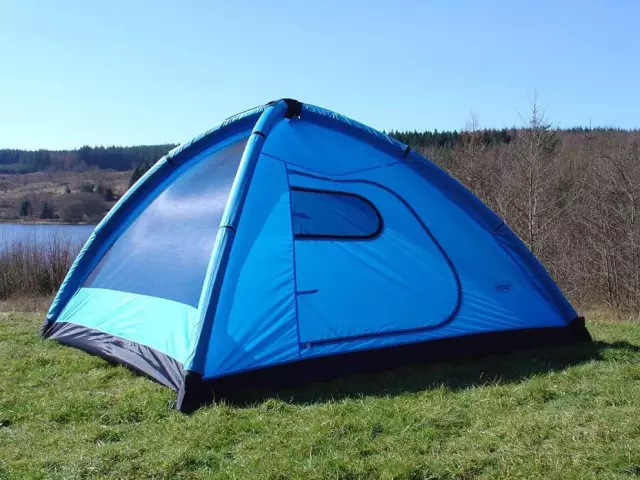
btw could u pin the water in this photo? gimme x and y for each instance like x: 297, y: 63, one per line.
x: 13, y: 232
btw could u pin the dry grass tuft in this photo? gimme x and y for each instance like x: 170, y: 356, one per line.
x: 28, y: 304
x: 32, y: 268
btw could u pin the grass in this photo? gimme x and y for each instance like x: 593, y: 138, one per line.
x: 563, y: 413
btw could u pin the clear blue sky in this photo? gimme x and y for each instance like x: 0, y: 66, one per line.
x: 127, y: 72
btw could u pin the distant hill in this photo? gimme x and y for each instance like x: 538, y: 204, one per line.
x: 142, y: 156
x: 105, y: 158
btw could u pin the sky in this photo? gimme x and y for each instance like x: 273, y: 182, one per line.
x: 132, y: 72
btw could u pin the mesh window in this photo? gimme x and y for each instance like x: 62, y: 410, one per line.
x: 165, y: 251
x: 337, y: 215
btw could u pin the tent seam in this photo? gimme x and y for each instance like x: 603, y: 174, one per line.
x: 295, y: 273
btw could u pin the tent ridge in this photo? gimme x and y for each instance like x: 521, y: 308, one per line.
x: 347, y: 125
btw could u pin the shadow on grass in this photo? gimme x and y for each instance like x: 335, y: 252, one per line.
x: 498, y: 369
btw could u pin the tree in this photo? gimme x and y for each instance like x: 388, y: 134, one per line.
x: 46, y: 210
x: 25, y: 208
x: 139, y: 172
x: 542, y: 185
x: 84, y: 155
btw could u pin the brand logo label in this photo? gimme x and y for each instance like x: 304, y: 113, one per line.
x: 502, y: 286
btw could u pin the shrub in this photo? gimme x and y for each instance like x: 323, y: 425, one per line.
x: 87, y: 187
x: 81, y: 207
x: 105, y: 192
x: 108, y: 195
x: 72, y: 213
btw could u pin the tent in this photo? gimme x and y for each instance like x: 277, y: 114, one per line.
x: 291, y: 243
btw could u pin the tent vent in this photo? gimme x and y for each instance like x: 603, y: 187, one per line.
x: 294, y: 108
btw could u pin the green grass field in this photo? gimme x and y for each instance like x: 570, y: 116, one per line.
x: 563, y: 413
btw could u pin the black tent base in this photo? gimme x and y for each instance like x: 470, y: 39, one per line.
x: 116, y: 350
x: 196, y: 392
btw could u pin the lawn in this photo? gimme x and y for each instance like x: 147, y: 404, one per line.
x: 563, y: 413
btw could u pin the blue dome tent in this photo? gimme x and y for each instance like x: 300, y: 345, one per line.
x: 291, y: 243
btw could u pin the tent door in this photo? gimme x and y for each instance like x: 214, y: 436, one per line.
x: 365, y: 265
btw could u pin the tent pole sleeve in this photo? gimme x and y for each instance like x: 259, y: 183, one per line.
x: 224, y: 241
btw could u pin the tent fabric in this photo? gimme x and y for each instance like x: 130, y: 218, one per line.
x: 141, y: 358
x: 291, y: 240
x: 262, y: 329
x: 149, y: 258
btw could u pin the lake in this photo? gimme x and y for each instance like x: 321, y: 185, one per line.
x: 12, y: 232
